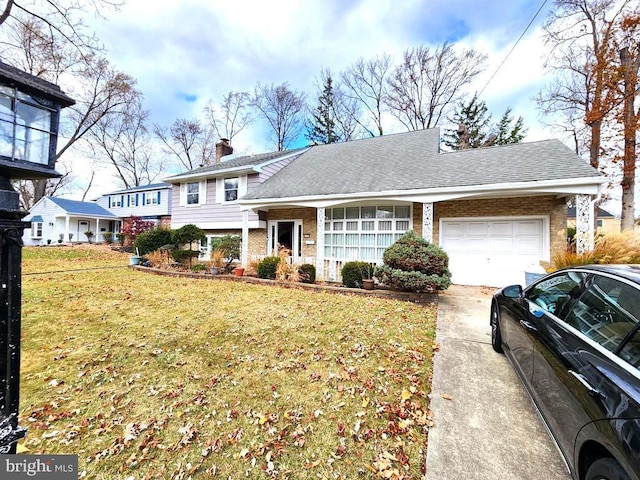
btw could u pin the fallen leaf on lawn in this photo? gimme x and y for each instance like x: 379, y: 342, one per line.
x: 406, y: 394
x: 446, y: 396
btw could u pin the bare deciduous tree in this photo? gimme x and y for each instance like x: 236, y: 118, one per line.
x: 581, y: 36
x: 122, y: 142
x: 365, y: 82
x: 283, y: 109
x: 230, y: 117
x: 427, y: 84
x: 188, y: 141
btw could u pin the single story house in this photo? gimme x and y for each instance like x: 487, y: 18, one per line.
x: 494, y: 210
x: 57, y: 220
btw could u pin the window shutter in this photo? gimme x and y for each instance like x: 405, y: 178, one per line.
x: 242, y: 185
x: 122, y: 200
x: 183, y: 194
x: 219, y: 190
x: 144, y: 199
x: 159, y: 198
x: 136, y: 199
x: 128, y: 200
x: 202, y: 193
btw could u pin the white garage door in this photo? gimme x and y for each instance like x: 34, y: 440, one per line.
x: 491, y: 252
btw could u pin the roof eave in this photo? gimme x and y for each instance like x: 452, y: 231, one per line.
x: 575, y: 186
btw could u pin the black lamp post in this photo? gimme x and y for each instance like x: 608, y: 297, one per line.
x: 29, y: 118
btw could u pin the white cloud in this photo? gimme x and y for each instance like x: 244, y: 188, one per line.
x: 185, y: 53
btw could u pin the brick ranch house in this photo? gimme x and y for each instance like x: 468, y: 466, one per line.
x: 494, y: 210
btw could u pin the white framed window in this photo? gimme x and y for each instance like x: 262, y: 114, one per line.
x: 363, y: 233
x: 36, y: 230
x: 152, y: 198
x: 115, y: 202
x: 191, y: 193
x: 231, y: 189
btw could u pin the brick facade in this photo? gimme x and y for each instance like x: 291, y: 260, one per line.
x: 555, y: 208
x: 551, y: 206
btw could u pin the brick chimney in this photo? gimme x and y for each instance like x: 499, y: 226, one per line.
x: 223, y: 147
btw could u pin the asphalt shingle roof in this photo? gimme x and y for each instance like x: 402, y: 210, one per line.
x: 152, y: 186
x: 238, y: 162
x: 81, y: 208
x: 411, y: 161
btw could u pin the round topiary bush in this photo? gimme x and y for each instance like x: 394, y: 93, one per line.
x: 307, y: 273
x: 267, y: 267
x: 353, y: 273
x: 412, y: 264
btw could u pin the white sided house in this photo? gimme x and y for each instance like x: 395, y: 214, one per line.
x: 494, y: 210
x: 149, y: 202
x: 57, y: 220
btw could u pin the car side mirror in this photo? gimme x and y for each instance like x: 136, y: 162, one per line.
x: 512, y: 291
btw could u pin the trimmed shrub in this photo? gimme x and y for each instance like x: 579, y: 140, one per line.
x: 353, y: 273
x: 108, y: 237
x: 267, y: 267
x: 152, y: 240
x: 307, y: 273
x: 412, y: 264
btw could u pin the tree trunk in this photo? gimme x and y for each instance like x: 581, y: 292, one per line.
x: 594, y: 148
x: 630, y: 66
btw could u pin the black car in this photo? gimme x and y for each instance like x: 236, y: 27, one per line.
x: 573, y: 337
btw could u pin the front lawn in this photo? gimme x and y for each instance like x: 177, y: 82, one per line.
x: 155, y: 377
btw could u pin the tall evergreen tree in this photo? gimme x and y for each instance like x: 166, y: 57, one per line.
x: 476, y: 120
x: 506, y: 133
x: 322, y: 128
x: 475, y: 128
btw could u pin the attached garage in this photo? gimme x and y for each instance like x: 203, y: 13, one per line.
x: 493, y: 251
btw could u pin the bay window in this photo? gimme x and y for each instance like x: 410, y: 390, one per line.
x: 363, y: 233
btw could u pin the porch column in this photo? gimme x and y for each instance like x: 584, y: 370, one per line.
x: 584, y: 224
x: 427, y: 222
x: 97, y: 232
x: 320, y: 243
x: 66, y: 227
x: 244, y: 251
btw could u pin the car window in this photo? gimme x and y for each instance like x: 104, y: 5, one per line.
x: 552, y: 294
x: 606, y: 312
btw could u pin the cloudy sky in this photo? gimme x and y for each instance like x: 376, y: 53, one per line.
x: 185, y: 53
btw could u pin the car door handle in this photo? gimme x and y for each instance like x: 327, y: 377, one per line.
x: 594, y: 392
x: 528, y: 325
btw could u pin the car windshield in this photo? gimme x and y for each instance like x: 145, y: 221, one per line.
x: 553, y: 293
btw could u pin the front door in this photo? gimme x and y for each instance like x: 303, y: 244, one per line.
x: 285, y: 234
x: 83, y: 226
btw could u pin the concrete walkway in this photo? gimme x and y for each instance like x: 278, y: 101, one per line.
x: 485, y: 425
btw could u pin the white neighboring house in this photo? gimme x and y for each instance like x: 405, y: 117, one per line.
x: 56, y: 220
x: 149, y: 202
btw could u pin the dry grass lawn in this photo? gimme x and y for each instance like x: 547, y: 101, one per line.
x: 154, y: 377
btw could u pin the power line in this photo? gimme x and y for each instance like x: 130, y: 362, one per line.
x: 514, y: 47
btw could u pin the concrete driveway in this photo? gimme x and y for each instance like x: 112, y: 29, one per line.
x: 485, y: 426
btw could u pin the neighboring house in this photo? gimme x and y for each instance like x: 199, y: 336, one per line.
x: 605, y: 222
x: 55, y: 220
x: 494, y: 210
x: 150, y: 202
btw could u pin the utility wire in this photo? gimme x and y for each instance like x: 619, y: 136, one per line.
x: 514, y: 47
